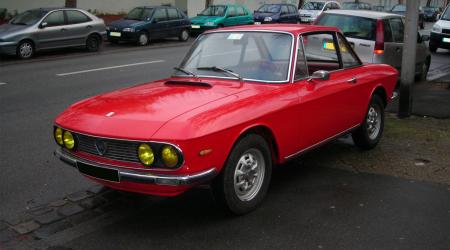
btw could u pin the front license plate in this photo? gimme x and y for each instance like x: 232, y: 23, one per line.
x: 446, y: 40
x: 195, y: 26
x: 257, y: 22
x: 305, y: 20
x: 115, y: 34
x: 99, y: 173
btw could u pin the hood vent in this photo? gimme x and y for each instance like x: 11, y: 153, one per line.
x: 188, y: 83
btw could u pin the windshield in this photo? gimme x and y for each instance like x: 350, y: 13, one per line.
x: 214, y: 11
x: 257, y: 56
x: 400, y: 8
x: 138, y: 14
x: 28, y: 17
x: 269, y: 8
x: 313, y: 6
x: 446, y: 15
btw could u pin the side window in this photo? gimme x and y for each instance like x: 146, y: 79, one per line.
x: 147, y: 13
x: 74, y: 17
x: 387, y: 31
x: 54, y: 19
x: 320, y: 52
x: 349, y: 59
x: 397, y: 29
x: 327, y: 7
x: 301, y: 70
x: 173, y: 14
x: 160, y: 15
x: 292, y: 9
x: 284, y: 9
x: 334, y: 6
x: 231, y: 11
x: 240, y: 11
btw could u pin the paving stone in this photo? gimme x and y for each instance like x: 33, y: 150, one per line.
x: 40, y: 210
x: 78, y: 196
x: 3, y: 225
x: 49, y: 230
x: 93, y: 202
x: 70, y: 209
x: 96, y: 189
x: 82, y: 217
x: 26, y: 227
x: 48, y: 218
x: 58, y: 203
x: 7, y: 235
x: 19, y: 219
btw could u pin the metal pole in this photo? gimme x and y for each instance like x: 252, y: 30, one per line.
x: 408, y: 58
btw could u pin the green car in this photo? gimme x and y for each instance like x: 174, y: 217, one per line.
x: 216, y: 16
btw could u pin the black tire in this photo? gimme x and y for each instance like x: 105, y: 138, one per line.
x: 369, y: 133
x: 424, y: 71
x: 184, y: 35
x: 25, y: 49
x: 143, y: 38
x: 240, y: 168
x: 93, y: 43
x: 432, y: 48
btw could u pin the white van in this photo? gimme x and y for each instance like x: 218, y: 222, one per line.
x: 440, y: 35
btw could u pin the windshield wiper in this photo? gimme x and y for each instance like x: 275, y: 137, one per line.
x: 215, y: 68
x: 187, y: 72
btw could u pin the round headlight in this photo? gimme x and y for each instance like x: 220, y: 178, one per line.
x: 58, y: 133
x: 68, y: 139
x: 169, y: 156
x: 145, y: 154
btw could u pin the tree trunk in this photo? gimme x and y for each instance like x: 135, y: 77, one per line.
x: 300, y: 4
x: 71, y: 3
x: 208, y: 3
x: 428, y: 3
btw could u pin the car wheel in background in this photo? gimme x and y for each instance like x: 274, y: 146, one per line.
x: 244, y: 180
x: 424, y: 70
x: 369, y: 133
x: 143, y: 38
x: 93, y: 43
x: 184, y: 35
x: 25, y: 49
x: 432, y: 47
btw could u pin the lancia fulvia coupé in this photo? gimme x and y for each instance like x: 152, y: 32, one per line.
x: 243, y: 100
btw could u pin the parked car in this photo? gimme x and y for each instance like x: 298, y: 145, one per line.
x: 430, y: 13
x: 378, y: 8
x: 311, y: 10
x: 276, y: 13
x: 440, y: 34
x: 400, y: 9
x: 217, y: 16
x: 377, y: 37
x: 356, y: 6
x: 242, y: 101
x: 144, y: 23
x: 50, y: 28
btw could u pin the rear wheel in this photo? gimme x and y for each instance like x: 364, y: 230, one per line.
x: 143, y: 39
x: 25, y: 49
x: 184, y: 35
x: 244, y: 180
x: 370, y: 131
x: 93, y: 43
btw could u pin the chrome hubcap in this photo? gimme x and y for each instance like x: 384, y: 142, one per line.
x: 26, y: 50
x: 143, y: 39
x: 184, y: 35
x: 249, y: 174
x: 373, y: 122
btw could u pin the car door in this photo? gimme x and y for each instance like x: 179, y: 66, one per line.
x: 284, y: 14
x: 395, y: 49
x: 293, y: 14
x: 53, y: 31
x: 174, y: 22
x: 78, y: 27
x: 231, y: 18
x: 332, y: 105
x: 159, y: 25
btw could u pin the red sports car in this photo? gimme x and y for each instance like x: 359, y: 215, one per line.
x: 243, y: 100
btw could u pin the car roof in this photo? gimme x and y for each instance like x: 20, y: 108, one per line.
x: 363, y: 13
x: 289, y: 28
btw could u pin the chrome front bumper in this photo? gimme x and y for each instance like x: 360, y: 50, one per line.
x: 141, y: 177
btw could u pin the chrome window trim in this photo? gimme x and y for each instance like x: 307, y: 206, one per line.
x: 296, y: 58
x: 288, y: 80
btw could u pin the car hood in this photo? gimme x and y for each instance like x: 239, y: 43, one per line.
x: 7, y: 29
x: 125, y: 23
x: 139, y: 112
x: 204, y: 19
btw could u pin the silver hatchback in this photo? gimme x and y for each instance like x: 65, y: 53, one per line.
x: 377, y: 37
x: 43, y: 29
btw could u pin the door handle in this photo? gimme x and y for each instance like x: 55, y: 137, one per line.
x: 352, y: 80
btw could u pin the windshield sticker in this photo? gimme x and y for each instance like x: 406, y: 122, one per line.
x: 235, y: 36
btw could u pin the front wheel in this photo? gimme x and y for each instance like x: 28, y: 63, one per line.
x: 244, y: 180
x: 184, y: 35
x: 369, y: 133
x: 142, y: 39
x: 25, y: 50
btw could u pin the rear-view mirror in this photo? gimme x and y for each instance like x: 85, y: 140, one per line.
x: 320, y: 75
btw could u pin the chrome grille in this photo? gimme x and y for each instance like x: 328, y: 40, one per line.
x: 115, y: 149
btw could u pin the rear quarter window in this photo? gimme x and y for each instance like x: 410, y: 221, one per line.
x: 351, y: 26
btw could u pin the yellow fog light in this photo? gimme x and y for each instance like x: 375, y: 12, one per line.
x: 169, y: 156
x: 68, y: 139
x: 145, y: 154
x: 58, y: 133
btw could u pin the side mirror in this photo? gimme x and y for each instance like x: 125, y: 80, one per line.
x: 320, y: 75
x: 43, y: 25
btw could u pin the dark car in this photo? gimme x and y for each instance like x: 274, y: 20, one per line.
x: 430, y: 13
x: 276, y: 13
x: 378, y: 8
x: 400, y: 9
x: 150, y: 22
x: 356, y: 6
